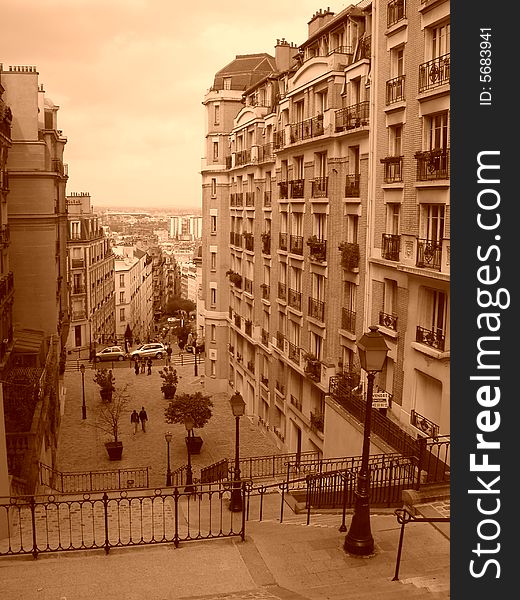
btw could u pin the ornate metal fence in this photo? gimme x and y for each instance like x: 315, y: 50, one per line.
x: 44, y: 524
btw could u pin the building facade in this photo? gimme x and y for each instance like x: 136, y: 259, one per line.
x: 91, y: 278
x: 330, y: 213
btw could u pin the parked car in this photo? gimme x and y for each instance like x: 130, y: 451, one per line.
x: 154, y: 350
x: 110, y: 353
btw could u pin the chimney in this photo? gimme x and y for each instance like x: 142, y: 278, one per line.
x: 319, y: 19
x: 284, y: 54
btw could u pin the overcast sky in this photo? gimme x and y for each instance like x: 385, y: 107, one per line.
x: 129, y: 77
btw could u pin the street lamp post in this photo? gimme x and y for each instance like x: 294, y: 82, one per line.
x: 189, y: 424
x: 83, y: 406
x: 238, y: 407
x: 195, y: 358
x: 168, y: 438
x: 372, y: 350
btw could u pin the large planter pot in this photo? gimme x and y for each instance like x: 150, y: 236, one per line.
x: 114, y: 449
x: 194, y: 443
x: 169, y: 392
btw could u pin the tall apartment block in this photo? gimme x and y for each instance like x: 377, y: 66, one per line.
x: 37, y: 263
x: 328, y: 214
x: 91, y: 278
x: 185, y: 227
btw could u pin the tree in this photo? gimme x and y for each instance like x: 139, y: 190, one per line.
x: 106, y: 380
x: 176, y: 304
x: 170, y: 381
x: 197, y: 406
x: 109, y: 414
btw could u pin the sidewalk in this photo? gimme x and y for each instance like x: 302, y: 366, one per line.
x: 81, y: 446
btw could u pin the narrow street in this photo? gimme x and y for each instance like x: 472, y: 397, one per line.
x: 81, y: 445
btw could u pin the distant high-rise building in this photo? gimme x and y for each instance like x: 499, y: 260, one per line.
x: 186, y: 227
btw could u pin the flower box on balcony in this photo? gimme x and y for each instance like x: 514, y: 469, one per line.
x: 318, y: 248
x: 349, y: 255
x: 235, y: 278
x: 312, y: 367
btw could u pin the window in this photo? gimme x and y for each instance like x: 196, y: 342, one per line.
x: 395, y: 140
x: 213, y: 261
x: 352, y: 229
x: 393, y: 213
x: 215, y: 150
x: 437, y: 131
x: 213, y: 333
x: 227, y: 83
x: 298, y: 167
x: 213, y: 224
x: 121, y: 297
x: 440, y: 40
x: 319, y: 226
x: 432, y: 222
x: 121, y: 314
x: 212, y: 368
x: 121, y: 281
x: 397, y: 61
x: 433, y: 305
x: 213, y: 296
x: 390, y: 296
x: 213, y: 187
x: 349, y: 295
x: 316, y: 345
x: 217, y: 114
x: 322, y: 101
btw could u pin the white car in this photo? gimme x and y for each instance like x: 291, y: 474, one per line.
x: 153, y: 350
x: 110, y: 353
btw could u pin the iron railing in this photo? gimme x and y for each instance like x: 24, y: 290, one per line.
x: 295, y: 299
x: 282, y: 241
x: 297, y: 188
x: 387, y: 320
x: 306, y: 129
x: 351, y: 117
x: 391, y: 246
x: 296, y: 244
x: 434, y: 73
x: 395, y: 89
x: 433, y: 164
x: 316, y: 309
x: 393, y: 166
x: 430, y: 337
x: 429, y: 254
x: 352, y: 186
x: 319, y: 187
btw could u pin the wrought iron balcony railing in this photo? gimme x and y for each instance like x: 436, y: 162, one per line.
x: 248, y: 285
x: 296, y: 244
x: 294, y: 353
x: 352, y: 186
x: 317, y: 248
x: 266, y: 242
x: 283, y: 190
x: 242, y: 157
x: 280, y: 338
x: 266, y: 290
x: 265, y: 338
x: 430, y: 337
x: 249, y: 242
x: 279, y: 139
x: 282, y: 241
x: 351, y: 117
x: 282, y: 291
x: 393, y: 166
x: 319, y: 187
x: 296, y: 402
x: 388, y: 321
x: 267, y: 198
x: 395, y: 89
x: 348, y: 320
x: 317, y: 309
x: 265, y: 153
x: 391, y: 246
x: 297, y: 188
x: 248, y: 327
x: 295, y: 299
x: 313, y: 370
x: 239, y: 198
x: 317, y: 422
x: 306, y: 129
x: 395, y: 12
x: 428, y: 427
x: 433, y: 164
x: 429, y: 254
x: 434, y: 73
x: 250, y: 198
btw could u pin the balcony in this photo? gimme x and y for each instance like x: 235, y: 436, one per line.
x: 430, y: 337
x: 391, y: 246
x: 433, y: 164
x: 77, y: 263
x: 282, y: 291
x: 429, y: 254
x: 395, y: 12
x: 266, y: 242
x: 348, y: 320
x: 352, y: 117
x: 266, y: 291
x: 306, y: 129
x: 229, y: 162
x: 78, y: 315
x: 283, y: 190
x: 280, y: 339
x: 296, y: 244
x: 251, y: 366
x: 280, y: 388
x: 249, y: 242
x: 4, y: 235
x: 265, y: 153
x: 319, y: 187
x: 317, y: 248
x: 393, y: 166
x: 78, y: 289
x: 242, y: 157
x: 267, y: 198
x: 239, y: 199
x: 317, y: 422
x: 297, y: 188
x: 352, y: 186
x: 6, y: 286
x: 282, y: 241
x: 265, y: 338
x: 238, y: 321
x: 313, y: 369
x: 434, y: 73
x: 295, y: 299
x: 349, y: 255
x: 279, y: 139
x: 429, y: 428
x: 317, y: 309
x: 250, y: 199
x: 248, y: 327
x: 296, y: 402
x: 294, y: 353
x: 395, y: 90
x: 388, y: 321
x: 248, y: 286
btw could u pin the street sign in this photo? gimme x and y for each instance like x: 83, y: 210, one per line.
x: 380, y: 400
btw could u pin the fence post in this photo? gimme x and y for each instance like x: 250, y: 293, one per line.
x: 32, y: 504
x: 400, y: 547
x: 176, y: 516
x: 105, y: 509
x: 283, y: 500
x: 343, y: 526
x: 308, y: 499
x: 421, y: 445
x: 243, y: 532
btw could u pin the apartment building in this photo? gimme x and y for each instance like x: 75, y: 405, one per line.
x: 134, y: 293
x: 185, y: 227
x: 91, y: 277
x: 33, y: 284
x: 330, y: 213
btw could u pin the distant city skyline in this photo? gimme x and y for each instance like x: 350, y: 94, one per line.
x: 130, y: 77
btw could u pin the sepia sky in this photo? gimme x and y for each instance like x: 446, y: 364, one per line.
x: 129, y: 77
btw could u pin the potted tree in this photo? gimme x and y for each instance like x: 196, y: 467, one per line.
x: 195, y: 406
x: 108, y: 416
x: 106, y: 380
x: 349, y: 255
x: 170, y: 381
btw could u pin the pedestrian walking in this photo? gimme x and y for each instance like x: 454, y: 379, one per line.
x: 136, y: 365
x: 168, y: 353
x: 134, y: 419
x: 143, y: 364
x: 143, y: 417
x: 149, y: 365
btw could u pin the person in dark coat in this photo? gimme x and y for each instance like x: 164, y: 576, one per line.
x: 136, y: 365
x: 143, y: 364
x: 149, y: 365
x: 143, y: 418
x: 134, y: 419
